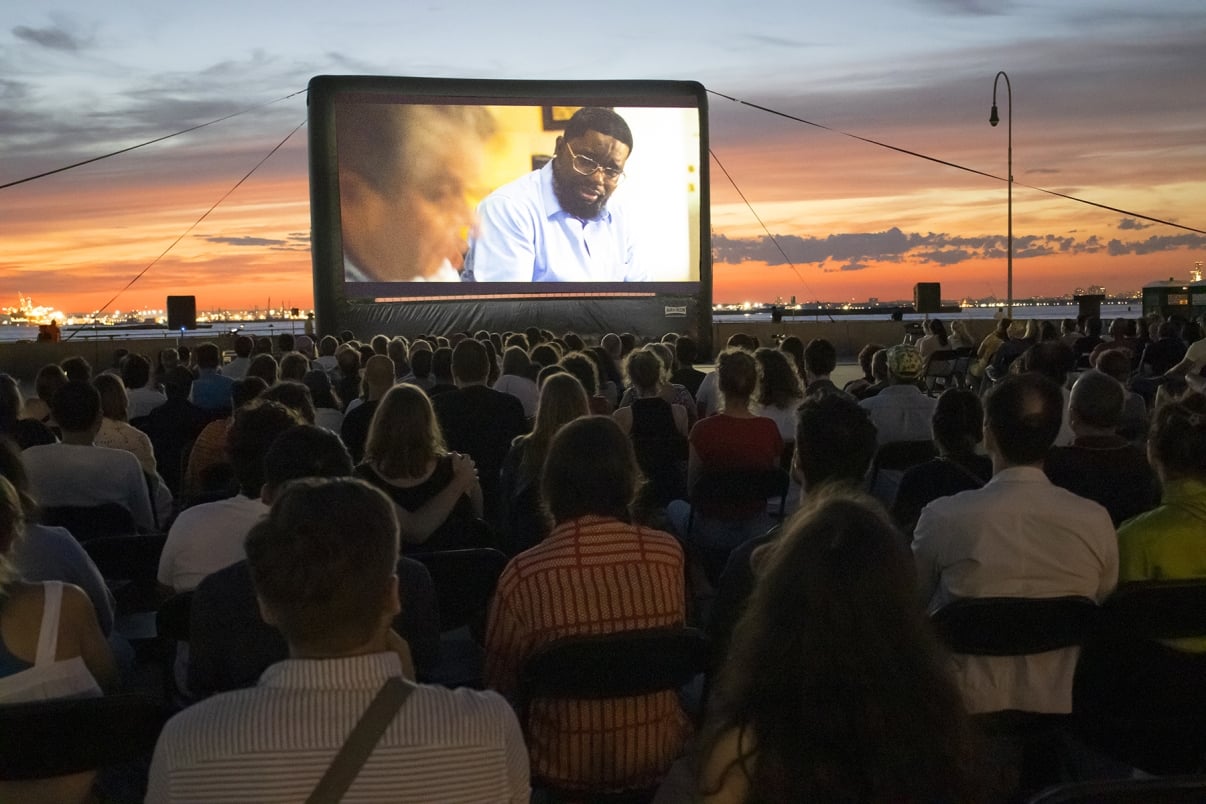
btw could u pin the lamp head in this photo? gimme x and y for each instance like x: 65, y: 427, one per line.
x: 993, y: 117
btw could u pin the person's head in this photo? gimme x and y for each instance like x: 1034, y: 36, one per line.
x: 820, y: 358
x: 303, y: 451
x: 1003, y: 326
x: 958, y: 422
x: 397, y: 351
x: 835, y: 441
x: 684, y: 351
x: 959, y: 328
x: 177, y: 383
x: 562, y: 399
x: 1069, y: 326
x: 265, y: 367
x: 905, y: 364
x: 779, y: 385
x: 879, y: 365
x: 404, y: 437
x: 470, y: 363
x: 938, y: 330
x: 834, y: 662
x: 441, y: 365
x: 135, y: 371
x: 330, y: 589
x: 380, y: 344
x: 1176, y: 444
x: 420, y: 363
x: 585, y: 370
x: 1053, y: 359
x: 77, y: 369
x: 284, y: 342
x: 1048, y: 332
x: 208, y: 356
x: 407, y: 174
x: 11, y: 402
x: 1116, y: 363
x: 515, y: 361
x: 589, y: 159
x: 114, y: 402
x: 612, y: 343
x: 49, y: 379
x: 1118, y: 328
x: 864, y: 359
x: 245, y: 390
x: 1096, y: 404
x: 294, y: 366
x: 12, y: 526
x: 243, y: 346
x: 1022, y: 417
x: 736, y: 376
x: 321, y: 392
x: 740, y: 340
x: 295, y: 396
x: 665, y: 353
x: 605, y: 485
x: 327, y: 345
x: 1093, y: 326
x: 255, y: 426
x: 347, y: 360
x: 644, y: 372
x: 378, y: 376
x: 76, y: 408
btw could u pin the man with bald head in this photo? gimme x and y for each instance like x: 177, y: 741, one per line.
x: 1100, y: 464
x: 1018, y: 536
x: 378, y: 378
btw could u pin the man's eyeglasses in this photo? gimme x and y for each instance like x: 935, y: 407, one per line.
x: 589, y: 167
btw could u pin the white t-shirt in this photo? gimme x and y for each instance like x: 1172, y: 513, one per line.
x: 82, y: 476
x: 207, y: 538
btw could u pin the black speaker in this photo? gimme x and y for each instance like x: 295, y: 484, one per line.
x: 927, y: 297
x: 182, y: 312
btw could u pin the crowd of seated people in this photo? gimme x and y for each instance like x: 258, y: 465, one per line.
x: 1041, y: 487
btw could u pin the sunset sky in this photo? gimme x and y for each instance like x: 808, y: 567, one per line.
x: 1109, y: 103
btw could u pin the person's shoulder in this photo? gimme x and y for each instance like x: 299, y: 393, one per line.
x: 459, y: 703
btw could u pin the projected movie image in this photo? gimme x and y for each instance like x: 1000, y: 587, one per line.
x: 455, y: 198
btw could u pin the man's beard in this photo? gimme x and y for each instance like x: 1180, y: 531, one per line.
x: 567, y: 195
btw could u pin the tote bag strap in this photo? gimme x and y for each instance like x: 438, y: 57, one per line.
x: 361, y: 742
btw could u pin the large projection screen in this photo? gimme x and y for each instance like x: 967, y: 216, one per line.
x: 479, y: 203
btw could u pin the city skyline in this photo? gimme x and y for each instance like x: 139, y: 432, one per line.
x: 1108, y: 102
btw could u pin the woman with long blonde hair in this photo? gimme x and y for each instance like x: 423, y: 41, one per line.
x: 405, y: 456
x: 562, y: 400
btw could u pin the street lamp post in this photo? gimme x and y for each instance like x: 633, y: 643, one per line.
x: 993, y: 119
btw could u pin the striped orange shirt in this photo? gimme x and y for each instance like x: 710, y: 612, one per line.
x: 592, y: 575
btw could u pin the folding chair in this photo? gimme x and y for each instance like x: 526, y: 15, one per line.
x: 619, y: 665
x: 1019, y: 626
x: 44, y: 739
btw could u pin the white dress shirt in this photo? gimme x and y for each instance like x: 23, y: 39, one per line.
x: 901, y: 413
x: 207, y: 538
x: 1018, y: 536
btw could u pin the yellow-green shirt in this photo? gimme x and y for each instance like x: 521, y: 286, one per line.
x: 1168, y: 543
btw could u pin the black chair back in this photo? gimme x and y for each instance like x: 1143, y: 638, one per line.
x: 889, y: 464
x: 1167, y: 790
x: 1157, y: 609
x: 87, y: 522
x: 130, y: 566
x: 739, y: 486
x: 464, y: 583
x: 173, y: 617
x: 1014, y: 626
x: 617, y: 665
x: 43, y: 739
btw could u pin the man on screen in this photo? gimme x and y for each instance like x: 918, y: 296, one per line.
x: 555, y: 224
x: 406, y: 174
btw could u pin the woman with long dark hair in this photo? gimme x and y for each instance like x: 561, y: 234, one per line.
x: 834, y: 688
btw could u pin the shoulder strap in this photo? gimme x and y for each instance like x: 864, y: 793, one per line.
x: 48, y: 632
x: 360, y: 743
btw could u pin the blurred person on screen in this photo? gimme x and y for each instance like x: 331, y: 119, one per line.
x: 556, y: 224
x: 406, y: 174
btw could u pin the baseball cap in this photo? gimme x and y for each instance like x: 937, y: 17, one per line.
x: 904, y: 362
